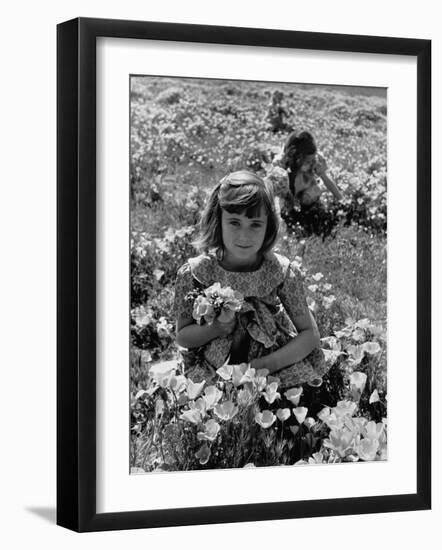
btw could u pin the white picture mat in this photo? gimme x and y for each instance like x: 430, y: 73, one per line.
x: 116, y: 489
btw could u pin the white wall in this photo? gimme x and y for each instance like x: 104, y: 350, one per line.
x: 27, y: 289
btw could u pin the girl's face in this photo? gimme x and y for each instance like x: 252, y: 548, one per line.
x: 242, y: 237
x: 308, y: 163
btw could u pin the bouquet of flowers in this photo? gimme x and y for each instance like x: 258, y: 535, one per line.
x: 217, y: 302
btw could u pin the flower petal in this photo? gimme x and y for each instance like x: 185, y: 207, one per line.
x: 300, y: 414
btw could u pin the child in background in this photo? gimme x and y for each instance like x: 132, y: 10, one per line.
x: 274, y: 329
x: 296, y: 175
x: 277, y: 114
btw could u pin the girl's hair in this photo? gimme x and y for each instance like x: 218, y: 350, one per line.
x: 296, y: 148
x: 238, y: 192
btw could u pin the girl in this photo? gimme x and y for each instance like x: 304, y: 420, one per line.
x: 274, y: 328
x: 296, y: 175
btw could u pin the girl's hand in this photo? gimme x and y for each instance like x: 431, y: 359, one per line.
x: 320, y: 165
x: 222, y: 329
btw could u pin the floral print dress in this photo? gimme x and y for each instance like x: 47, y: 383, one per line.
x: 273, y: 296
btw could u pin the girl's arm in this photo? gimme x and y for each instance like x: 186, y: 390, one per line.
x: 292, y: 296
x: 294, y: 351
x: 331, y: 186
x: 320, y: 169
x: 190, y: 335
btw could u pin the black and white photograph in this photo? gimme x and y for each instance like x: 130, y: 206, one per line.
x: 258, y: 274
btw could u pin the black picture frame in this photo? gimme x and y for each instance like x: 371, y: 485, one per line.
x: 77, y: 287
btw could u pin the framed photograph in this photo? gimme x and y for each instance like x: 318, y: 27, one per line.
x: 243, y: 276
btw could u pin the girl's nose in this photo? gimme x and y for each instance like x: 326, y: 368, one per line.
x: 245, y: 235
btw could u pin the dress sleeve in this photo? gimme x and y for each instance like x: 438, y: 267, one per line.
x: 183, y: 285
x: 291, y: 293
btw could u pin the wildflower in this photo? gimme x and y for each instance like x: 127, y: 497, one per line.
x: 194, y: 389
x: 363, y: 323
x: 371, y: 347
x: 211, y: 396
x: 242, y: 373
x: 283, y: 414
x: 324, y: 413
x: 345, y: 408
x: 332, y: 342
x: 313, y: 288
x: 374, y: 431
x: 357, y: 381
x: 199, y: 405
x: 327, y: 287
x: 367, y: 449
x: 294, y: 395
x: 216, y: 300
x: 271, y: 394
x: 340, y: 441
x: 141, y: 393
x: 316, y: 458
x: 265, y: 418
x: 261, y: 382
x: 226, y: 410
x: 356, y: 354
x: 225, y: 372
x: 262, y: 372
x: 211, y: 429
x: 192, y: 415
x: 203, y: 309
x: 163, y: 328
x: 331, y: 355
x: 358, y: 424
x: 374, y: 397
x: 162, y: 371
x: 142, y: 316
x: 317, y: 277
x: 300, y: 414
x: 334, y: 422
x: 203, y: 454
x: 328, y: 301
x: 245, y: 397
x: 176, y: 383
x: 358, y: 335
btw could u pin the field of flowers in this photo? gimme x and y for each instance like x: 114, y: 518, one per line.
x: 185, y: 135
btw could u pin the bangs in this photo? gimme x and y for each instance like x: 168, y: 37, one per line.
x: 249, y: 199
